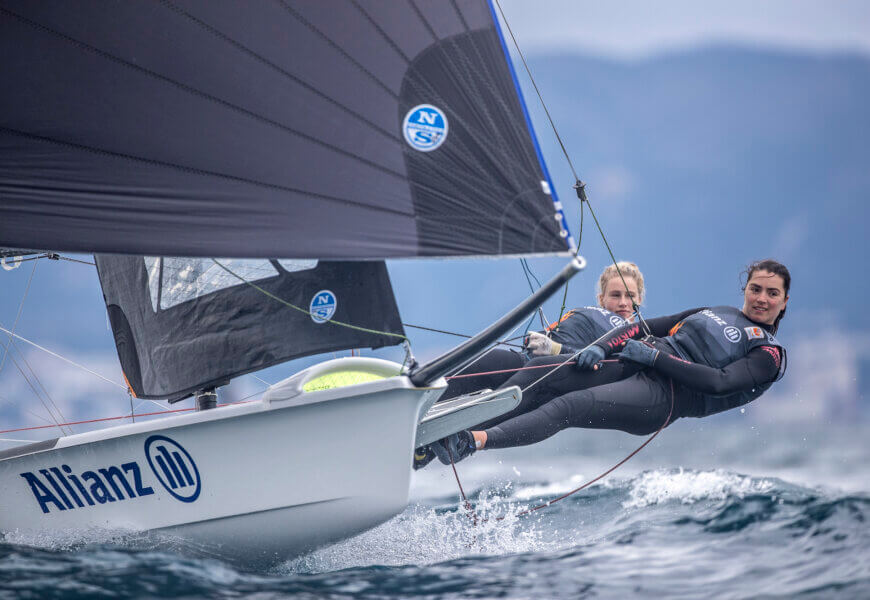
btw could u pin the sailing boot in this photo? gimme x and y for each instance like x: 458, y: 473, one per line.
x: 460, y: 445
x: 422, y: 457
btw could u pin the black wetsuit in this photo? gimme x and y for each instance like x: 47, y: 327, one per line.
x: 633, y: 398
x: 577, y: 329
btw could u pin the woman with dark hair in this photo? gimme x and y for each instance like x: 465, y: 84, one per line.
x: 704, y: 361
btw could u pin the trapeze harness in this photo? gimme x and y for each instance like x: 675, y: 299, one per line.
x: 576, y: 330
x: 716, y: 357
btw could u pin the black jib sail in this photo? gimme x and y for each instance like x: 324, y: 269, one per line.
x: 183, y: 324
x: 307, y: 129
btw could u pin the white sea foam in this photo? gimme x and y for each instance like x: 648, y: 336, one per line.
x: 688, y: 487
x: 423, y: 535
x: 67, y: 539
x: 118, y: 538
x: 553, y: 489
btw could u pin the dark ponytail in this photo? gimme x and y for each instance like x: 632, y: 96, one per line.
x: 771, y: 266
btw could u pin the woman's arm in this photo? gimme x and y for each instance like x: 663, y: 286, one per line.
x: 758, y: 367
x: 659, y: 327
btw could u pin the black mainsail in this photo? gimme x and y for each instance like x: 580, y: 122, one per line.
x: 274, y: 129
x: 309, y: 129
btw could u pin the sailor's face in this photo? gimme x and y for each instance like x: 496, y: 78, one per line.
x: 764, y: 297
x: 617, y: 299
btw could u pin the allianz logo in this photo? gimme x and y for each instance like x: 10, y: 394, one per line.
x: 61, y: 488
x: 716, y: 318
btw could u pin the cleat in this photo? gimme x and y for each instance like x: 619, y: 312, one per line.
x: 422, y: 457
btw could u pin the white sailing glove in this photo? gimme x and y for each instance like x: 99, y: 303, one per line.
x: 537, y: 344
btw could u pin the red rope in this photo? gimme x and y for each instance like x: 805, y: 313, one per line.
x: 575, y: 490
x: 515, y: 370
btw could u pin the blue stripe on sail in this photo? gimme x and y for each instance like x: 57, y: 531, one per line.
x: 569, y: 240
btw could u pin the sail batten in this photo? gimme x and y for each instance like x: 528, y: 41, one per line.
x: 330, y: 130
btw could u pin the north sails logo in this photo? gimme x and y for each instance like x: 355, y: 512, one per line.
x: 322, y: 307
x: 425, y: 127
x: 173, y: 467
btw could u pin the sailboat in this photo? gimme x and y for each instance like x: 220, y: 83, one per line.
x: 240, y: 173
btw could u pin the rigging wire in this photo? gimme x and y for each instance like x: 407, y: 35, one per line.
x: 56, y: 355
x: 538, y: 92
x: 54, y: 256
x: 505, y: 342
x: 11, y: 345
x: 579, y: 186
x: 36, y: 392
x: 119, y: 417
x: 581, y: 194
x: 565, y: 293
x: 18, y: 316
x: 29, y: 412
x: 473, y: 514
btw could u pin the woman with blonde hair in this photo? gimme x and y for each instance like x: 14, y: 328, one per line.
x: 619, y: 291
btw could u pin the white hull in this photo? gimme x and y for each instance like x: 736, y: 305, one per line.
x: 256, y: 483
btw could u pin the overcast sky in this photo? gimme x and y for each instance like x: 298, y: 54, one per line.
x: 632, y: 29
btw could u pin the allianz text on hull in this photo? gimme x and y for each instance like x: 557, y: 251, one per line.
x: 256, y: 483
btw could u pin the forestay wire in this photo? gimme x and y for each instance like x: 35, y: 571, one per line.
x: 579, y: 186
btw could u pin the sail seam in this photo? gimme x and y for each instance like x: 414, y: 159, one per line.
x: 201, y: 94
x: 153, y: 161
x: 341, y: 50
x: 384, y: 35
x: 294, y: 78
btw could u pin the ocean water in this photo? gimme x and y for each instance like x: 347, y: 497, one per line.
x: 733, y: 509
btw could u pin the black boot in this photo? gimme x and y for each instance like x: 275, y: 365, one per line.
x: 459, y: 445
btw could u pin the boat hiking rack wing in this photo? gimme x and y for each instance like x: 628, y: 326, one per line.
x: 448, y: 417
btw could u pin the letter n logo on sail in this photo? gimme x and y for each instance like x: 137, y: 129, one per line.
x: 322, y: 306
x: 425, y: 127
x: 174, y: 468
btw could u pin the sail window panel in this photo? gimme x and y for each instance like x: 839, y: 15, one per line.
x: 152, y: 266
x: 184, y: 279
x: 294, y: 266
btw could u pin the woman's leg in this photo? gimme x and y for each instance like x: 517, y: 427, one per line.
x: 557, y: 381
x: 637, y: 405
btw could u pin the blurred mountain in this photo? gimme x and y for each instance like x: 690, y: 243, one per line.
x: 705, y: 160
x: 699, y: 162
